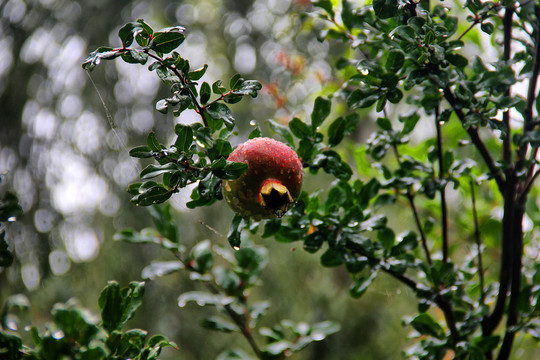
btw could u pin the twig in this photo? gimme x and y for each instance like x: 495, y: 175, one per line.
x: 241, y: 322
x: 479, y: 264
x: 410, y: 198
x: 476, y: 21
x: 444, y: 209
x: 477, y: 141
x: 528, y: 185
x: 199, y: 109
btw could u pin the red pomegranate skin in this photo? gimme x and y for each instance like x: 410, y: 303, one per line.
x: 270, y: 164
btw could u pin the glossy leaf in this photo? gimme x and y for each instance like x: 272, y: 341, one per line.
x: 321, y: 110
x: 119, y: 305
x: 127, y: 32
x: 166, y: 41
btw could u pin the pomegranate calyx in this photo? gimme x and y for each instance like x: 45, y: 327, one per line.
x: 275, y: 196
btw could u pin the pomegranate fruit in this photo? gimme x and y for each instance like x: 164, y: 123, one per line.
x: 271, y: 183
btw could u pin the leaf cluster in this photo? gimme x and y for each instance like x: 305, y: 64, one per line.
x: 74, y: 332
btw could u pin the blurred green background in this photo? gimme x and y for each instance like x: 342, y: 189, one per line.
x: 64, y: 141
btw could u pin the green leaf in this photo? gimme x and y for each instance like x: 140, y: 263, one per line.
x: 128, y: 32
x: 281, y: 130
x: 184, y: 138
x: 131, y: 343
x: 162, y: 106
x: 387, y: 237
x: 166, y: 41
x: 134, y: 56
x: 385, y: 8
x: 251, y: 261
x: 231, y: 170
x: 457, y: 60
x: 235, y: 231
x: 203, y: 136
x: 404, y: 32
x: 202, y: 298
x: 205, y: 92
x: 332, y: 258
x: 160, y: 268
x: 142, y: 151
x: 161, y: 342
x: 152, y: 142
x: 154, y: 195
x: 410, y: 122
x: 119, y: 305
x: 336, y: 131
x: 361, y: 284
x: 101, y: 53
x: 384, y: 124
x: 347, y: 15
x: 218, y: 88
x: 10, y: 208
x: 325, y: 5
x: 426, y: 325
x: 246, y: 87
x: 220, y: 111
x: 152, y: 170
x: 74, y: 323
x: 202, y: 254
x: 10, y: 345
x: 395, y: 60
x: 219, y: 324
x: 321, y: 110
x: 300, y: 129
x: 487, y: 27
x: 198, y: 73
x: 407, y: 242
x: 488, y: 343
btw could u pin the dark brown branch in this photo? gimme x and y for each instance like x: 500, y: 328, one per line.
x: 444, y: 209
x: 477, y: 141
x: 492, y: 321
x: 513, y: 306
x: 507, y: 44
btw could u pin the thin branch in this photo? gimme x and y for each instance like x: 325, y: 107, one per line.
x: 528, y: 185
x: 473, y: 24
x: 477, y: 141
x: 198, y: 108
x: 446, y: 308
x: 241, y: 321
x: 444, y: 209
x: 477, y: 240
x: 410, y: 198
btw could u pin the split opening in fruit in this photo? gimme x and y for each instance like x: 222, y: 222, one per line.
x: 275, y: 196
